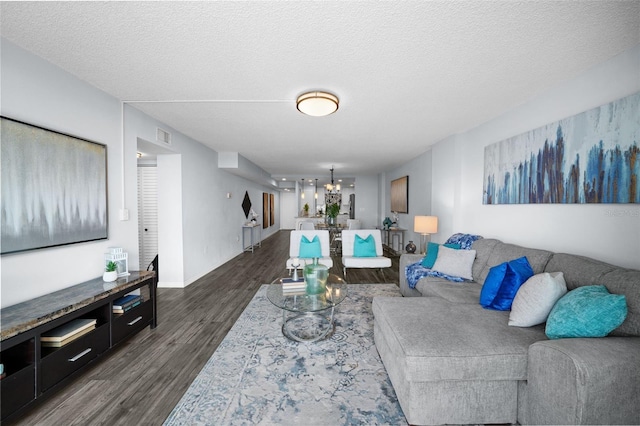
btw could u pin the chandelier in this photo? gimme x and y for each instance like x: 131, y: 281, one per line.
x: 331, y: 186
x: 333, y: 195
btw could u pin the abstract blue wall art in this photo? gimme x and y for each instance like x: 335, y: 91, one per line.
x: 592, y: 157
x: 54, y: 188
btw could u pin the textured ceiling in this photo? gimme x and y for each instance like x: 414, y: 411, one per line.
x: 408, y: 74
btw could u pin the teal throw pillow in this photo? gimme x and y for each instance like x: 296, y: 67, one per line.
x: 589, y: 311
x: 310, y: 249
x: 432, y: 253
x: 502, y: 283
x: 364, y: 247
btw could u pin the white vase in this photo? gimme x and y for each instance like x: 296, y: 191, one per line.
x: 110, y: 276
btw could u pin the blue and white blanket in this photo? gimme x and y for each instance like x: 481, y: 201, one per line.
x: 416, y: 271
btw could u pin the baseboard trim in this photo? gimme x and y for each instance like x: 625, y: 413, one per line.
x: 171, y: 284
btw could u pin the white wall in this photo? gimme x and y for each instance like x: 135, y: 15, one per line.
x: 607, y: 232
x: 419, y: 172
x: 367, y: 201
x: 288, y: 209
x: 36, y: 92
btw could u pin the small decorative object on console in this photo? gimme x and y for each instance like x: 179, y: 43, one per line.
x: 110, y: 272
x: 410, y: 248
x: 120, y: 258
x: 387, y: 223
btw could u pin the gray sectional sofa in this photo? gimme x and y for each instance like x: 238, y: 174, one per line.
x: 451, y: 361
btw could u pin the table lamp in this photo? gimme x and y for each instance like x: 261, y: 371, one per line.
x: 425, y: 225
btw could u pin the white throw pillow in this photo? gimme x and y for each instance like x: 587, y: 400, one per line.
x: 535, y: 299
x: 457, y: 263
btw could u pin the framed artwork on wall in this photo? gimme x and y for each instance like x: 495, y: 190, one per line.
x: 265, y: 210
x: 272, y: 209
x: 591, y: 157
x: 400, y: 195
x: 54, y: 188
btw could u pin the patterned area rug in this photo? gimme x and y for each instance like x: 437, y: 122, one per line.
x: 258, y: 376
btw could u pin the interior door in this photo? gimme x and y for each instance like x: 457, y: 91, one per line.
x: 147, y: 214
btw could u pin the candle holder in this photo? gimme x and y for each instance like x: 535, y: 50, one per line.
x: 295, y: 263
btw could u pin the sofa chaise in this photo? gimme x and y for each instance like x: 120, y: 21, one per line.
x: 451, y: 361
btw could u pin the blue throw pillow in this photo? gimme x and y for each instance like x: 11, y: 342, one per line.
x: 364, y: 247
x: 503, y: 283
x: 310, y: 249
x: 432, y: 253
x: 492, y: 284
x: 589, y: 311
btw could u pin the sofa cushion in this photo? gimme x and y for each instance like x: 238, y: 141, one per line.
x: 627, y: 282
x: 483, y: 247
x: 578, y: 270
x: 457, y: 263
x: 502, y: 252
x: 589, y: 311
x: 437, y: 340
x: 465, y: 292
x: 536, y: 298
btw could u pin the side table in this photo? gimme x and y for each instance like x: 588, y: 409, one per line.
x: 254, y: 242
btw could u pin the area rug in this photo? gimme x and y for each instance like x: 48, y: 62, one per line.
x: 258, y: 376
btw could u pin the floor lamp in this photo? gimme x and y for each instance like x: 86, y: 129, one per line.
x: 425, y: 225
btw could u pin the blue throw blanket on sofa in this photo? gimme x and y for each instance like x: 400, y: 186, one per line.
x: 416, y: 271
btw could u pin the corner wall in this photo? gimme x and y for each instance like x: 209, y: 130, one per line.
x: 610, y: 232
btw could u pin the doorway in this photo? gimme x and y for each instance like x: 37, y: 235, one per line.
x: 147, y: 214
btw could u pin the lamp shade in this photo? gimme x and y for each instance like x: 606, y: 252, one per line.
x: 317, y: 104
x: 425, y: 224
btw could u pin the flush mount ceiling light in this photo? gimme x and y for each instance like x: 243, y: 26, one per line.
x: 317, y: 104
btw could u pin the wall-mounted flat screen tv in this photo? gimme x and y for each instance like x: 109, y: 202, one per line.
x: 54, y: 188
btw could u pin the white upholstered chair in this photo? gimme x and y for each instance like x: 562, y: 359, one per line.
x: 350, y: 261
x: 294, y: 247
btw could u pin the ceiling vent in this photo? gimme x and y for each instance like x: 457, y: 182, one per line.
x: 163, y: 136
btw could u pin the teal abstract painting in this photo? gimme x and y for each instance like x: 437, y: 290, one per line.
x: 591, y: 157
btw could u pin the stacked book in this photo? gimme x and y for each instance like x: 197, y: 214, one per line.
x: 291, y: 287
x: 67, y: 333
x: 123, y: 304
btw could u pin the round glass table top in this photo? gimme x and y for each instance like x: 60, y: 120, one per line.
x: 300, y: 301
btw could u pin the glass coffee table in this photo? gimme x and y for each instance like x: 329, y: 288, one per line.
x: 312, y: 318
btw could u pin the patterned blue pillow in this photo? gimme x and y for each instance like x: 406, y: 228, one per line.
x: 310, y: 249
x: 589, y: 311
x: 364, y: 247
x: 502, y: 283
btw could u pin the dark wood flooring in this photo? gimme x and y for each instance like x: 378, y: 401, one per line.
x: 144, y: 378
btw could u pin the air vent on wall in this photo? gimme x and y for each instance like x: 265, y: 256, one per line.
x: 163, y: 136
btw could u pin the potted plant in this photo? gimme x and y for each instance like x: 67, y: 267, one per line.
x: 332, y: 213
x: 306, y: 209
x: 110, y: 272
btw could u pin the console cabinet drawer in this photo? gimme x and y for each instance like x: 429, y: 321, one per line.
x: 64, y: 361
x: 17, y: 390
x: 131, y: 322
